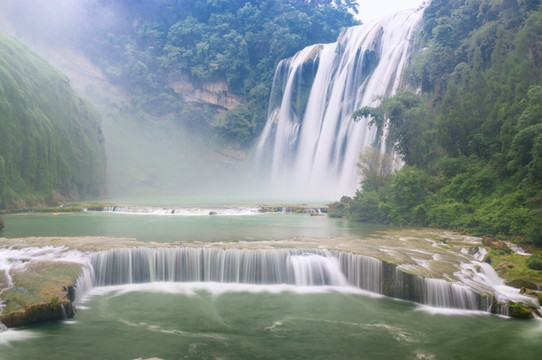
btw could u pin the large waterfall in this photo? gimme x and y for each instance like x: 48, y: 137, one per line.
x: 309, y: 146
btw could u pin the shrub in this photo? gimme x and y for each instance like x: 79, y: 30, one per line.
x: 534, y: 262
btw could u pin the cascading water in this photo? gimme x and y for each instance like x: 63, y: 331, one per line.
x: 309, y: 146
x: 475, y: 287
x: 300, y: 267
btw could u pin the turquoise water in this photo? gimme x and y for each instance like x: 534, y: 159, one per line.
x: 184, y: 322
x: 270, y: 226
x: 234, y: 321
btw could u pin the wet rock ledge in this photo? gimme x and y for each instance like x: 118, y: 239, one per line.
x: 44, y: 291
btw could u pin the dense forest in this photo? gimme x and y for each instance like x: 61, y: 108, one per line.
x: 144, y: 46
x: 471, y: 137
x: 51, y: 144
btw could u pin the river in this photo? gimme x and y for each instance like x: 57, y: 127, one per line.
x: 211, y: 320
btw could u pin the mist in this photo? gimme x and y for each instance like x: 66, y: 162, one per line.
x: 145, y: 157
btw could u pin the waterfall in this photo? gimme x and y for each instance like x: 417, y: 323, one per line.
x: 63, y: 312
x: 309, y: 146
x: 441, y: 293
x: 300, y: 267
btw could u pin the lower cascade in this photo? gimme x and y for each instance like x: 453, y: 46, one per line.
x: 300, y: 267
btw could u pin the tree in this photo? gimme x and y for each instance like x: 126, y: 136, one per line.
x: 407, y: 124
x: 375, y: 168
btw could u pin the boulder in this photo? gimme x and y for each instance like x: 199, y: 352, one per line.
x: 519, y: 311
x: 523, y: 283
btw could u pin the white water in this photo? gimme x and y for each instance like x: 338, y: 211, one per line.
x: 301, y: 267
x: 480, y: 275
x: 310, y: 145
x: 182, y: 211
x: 272, y: 270
x: 284, y: 267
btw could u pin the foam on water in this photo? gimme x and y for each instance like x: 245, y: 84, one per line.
x: 183, y: 211
x: 216, y: 288
x: 9, y: 336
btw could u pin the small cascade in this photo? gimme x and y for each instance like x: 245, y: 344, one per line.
x: 362, y: 271
x: 310, y: 145
x: 182, y: 211
x: 312, y: 269
x: 442, y: 293
x: 481, y: 276
x: 63, y: 312
x: 3, y: 327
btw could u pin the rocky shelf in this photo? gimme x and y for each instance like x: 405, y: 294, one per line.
x: 39, y: 284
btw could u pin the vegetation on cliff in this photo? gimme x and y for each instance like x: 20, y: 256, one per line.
x: 147, y: 46
x: 471, y: 141
x: 51, y: 144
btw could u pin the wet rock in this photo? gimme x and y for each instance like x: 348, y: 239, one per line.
x: 487, y: 241
x: 36, y: 313
x: 502, y: 267
x: 498, y: 244
x: 519, y: 311
x: 70, y: 292
x: 526, y: 291
x: 523, y: 283
x: 1, y: 223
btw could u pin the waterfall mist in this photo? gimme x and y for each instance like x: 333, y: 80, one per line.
x: 146, y: 156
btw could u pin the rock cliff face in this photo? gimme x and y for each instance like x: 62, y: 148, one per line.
x: 214, y: 93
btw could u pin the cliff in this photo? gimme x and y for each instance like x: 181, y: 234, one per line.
x: 51, y: 142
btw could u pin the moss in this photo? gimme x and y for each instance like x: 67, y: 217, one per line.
x: 519, y: 311
x: 37, y: 292
x: 534, y: 262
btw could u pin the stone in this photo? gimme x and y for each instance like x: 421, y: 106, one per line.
x: 519, y: 311
x: 523, y: 283
x: 498, y: 244
x: 1, y: 223
x: 502, y: 267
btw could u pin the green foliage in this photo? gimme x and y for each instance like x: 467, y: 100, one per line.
x: 238, y: 124
x: 148, y: 45
x: 405, y: 197
x: 364, y: 207
x: 404, y: 116
x: 474, y: 160
x: 54, y: 302
x: 51, y: 142
x: 375, y: 168
x: 534, y: 262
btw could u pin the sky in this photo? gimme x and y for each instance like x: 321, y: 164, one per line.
x: 370, y: 10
